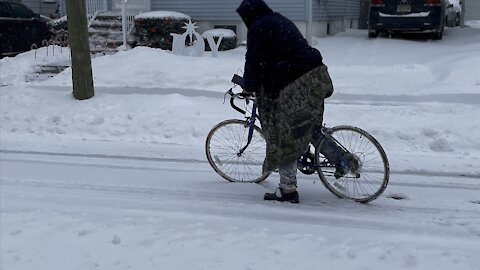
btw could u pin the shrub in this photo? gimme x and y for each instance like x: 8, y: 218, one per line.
x: 153, y: 29
x: 229, y: 40
x: 59, y: 30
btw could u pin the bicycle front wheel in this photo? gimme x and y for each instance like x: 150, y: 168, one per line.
x: 223, y: 149
x: 370, y: 180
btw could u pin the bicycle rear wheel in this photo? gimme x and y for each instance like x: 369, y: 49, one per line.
x: 223, y: 146
x: 372, y: 177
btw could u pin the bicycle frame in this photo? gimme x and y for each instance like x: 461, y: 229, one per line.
x: 251, y: 123
x: 250, y: 120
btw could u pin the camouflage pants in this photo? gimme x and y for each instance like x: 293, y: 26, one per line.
x: 290, y: 119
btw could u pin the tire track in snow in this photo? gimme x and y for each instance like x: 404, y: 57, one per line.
x: 227, y: 205
x: 200, y: 161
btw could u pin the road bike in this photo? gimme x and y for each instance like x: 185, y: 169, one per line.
x: 236, y: 149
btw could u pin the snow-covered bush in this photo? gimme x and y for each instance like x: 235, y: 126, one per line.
x: 59, y: 30
x: 229, y: 40
x: 153, y: 29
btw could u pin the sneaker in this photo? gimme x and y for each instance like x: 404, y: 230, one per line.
x: 281, y: 196
x: 348, y: 164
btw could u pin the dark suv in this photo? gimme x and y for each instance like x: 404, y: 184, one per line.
x: 427, y: 16
x: 20, y: 28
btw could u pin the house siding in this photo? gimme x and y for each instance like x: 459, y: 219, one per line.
x: 326, y: 10
x: 472, y: 10
x: 224, y: 10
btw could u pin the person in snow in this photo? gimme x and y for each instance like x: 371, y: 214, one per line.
x: 290, y: 82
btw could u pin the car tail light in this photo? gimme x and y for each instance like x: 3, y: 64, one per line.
x: 433, y: 2
x: 377, y: 3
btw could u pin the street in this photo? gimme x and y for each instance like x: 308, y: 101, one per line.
x: 123, y: 205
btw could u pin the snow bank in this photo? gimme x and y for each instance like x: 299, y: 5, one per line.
x: 473, y: 24
x: 357, y: 65
x: 147, y: 67
x: 219, y: 33
x: 17, y: 70
x: 162, y: 14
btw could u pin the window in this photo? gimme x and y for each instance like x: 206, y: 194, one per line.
x: 21, y: 11
x: 4, y: 11
x: 230, y: 27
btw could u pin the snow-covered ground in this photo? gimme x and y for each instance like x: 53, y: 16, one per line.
x: 121, y: 181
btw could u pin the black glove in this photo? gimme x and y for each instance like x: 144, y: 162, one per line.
x: 247, y: 94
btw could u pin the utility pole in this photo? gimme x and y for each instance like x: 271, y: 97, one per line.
x: 80, y: 50
x: 124, y: 24
x: 309, y: 21
x: 462, y: 13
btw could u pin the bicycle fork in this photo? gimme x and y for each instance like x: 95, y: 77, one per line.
x: 251, y: 125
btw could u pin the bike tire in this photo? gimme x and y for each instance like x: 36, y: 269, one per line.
x: 223, y: 144
x: 374, y: 172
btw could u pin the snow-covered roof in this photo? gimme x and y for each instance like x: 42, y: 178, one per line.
x: 162, y: 14
x: 219, y: 33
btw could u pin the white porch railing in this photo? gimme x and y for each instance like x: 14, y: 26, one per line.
x: 93, y: 8
x: 132, y: 8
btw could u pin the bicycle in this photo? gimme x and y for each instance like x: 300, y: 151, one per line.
x: 236, y: 150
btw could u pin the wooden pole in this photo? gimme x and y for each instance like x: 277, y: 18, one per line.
x: 309, y: 21
x: 80, y: 50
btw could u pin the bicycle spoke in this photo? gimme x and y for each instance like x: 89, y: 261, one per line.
x: 372, y: 177
x: 224, y: 144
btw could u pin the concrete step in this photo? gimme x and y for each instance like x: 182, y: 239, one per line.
x: 105, y: 33
x: 109, y: 16
x: 105, y: 28
x: 52, y: 69
x: 45, y: 72
x: 103, y: 46
x: 39, y: 77
x: 97, y: 53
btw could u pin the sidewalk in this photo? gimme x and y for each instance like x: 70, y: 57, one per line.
x: 464, y: 98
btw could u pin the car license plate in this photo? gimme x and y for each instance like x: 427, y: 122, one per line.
x: 403, y: 8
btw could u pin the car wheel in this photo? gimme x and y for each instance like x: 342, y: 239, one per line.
x: 372, y: 34
x: 437, y: 35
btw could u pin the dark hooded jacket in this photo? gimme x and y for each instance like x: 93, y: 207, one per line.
x: 277, y: 53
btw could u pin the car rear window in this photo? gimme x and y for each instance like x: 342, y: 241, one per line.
x: 21, y: 11
x: 4, y: 11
